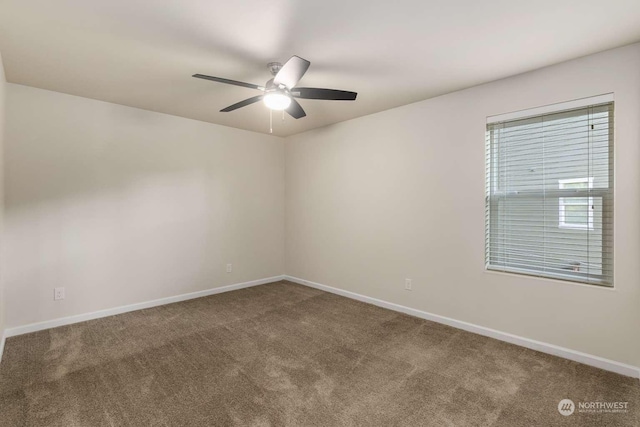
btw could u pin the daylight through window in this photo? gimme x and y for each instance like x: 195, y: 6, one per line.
x: 549, y: 195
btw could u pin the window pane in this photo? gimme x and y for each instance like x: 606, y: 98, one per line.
x: 570, y: 185
x: 577, y: 214
x: 549, y: 201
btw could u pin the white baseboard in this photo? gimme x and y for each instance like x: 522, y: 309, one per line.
x: 577, y: 356
x: 34, y: 327
x: 3, y: 337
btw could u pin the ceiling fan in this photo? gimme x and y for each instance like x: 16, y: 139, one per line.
x: 280, y: 92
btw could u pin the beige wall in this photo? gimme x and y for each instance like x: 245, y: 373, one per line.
x: 3, y: 85
x: 400, y: 194
x: 121, y: 205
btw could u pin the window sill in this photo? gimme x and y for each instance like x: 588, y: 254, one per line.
x: 550, y: 279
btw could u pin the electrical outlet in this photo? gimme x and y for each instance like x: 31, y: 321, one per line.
x: 58, y: 293
x: 229, y: 268
x: 407, y: 284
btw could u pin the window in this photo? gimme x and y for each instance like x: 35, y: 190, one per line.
x: 549, y: 192
x: 575, y: 212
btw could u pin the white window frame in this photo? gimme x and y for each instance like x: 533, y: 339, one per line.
x: 562, y: 222
x: 606, y: 280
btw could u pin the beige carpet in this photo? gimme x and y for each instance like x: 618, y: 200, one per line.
x: 286, y: 355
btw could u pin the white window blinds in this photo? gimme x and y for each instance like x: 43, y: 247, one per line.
x: 549, y: 195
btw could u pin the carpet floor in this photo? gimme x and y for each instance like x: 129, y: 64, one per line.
x: 287, y: 355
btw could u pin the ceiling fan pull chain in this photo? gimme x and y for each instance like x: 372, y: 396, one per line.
x: 270, y: 121
x: 282, y: 116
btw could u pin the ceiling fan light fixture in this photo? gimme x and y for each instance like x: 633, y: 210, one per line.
x: 277, y: 101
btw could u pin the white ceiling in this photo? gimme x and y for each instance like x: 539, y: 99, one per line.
x: 142, y: 53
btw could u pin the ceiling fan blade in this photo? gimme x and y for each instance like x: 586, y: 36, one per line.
x: 295, y: 110
x: 228, y: 81
x: 241, y: 104
x: 329, y: 94
x: 291, y: 72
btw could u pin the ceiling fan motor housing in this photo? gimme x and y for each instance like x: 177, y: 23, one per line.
x: 271, y: 87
